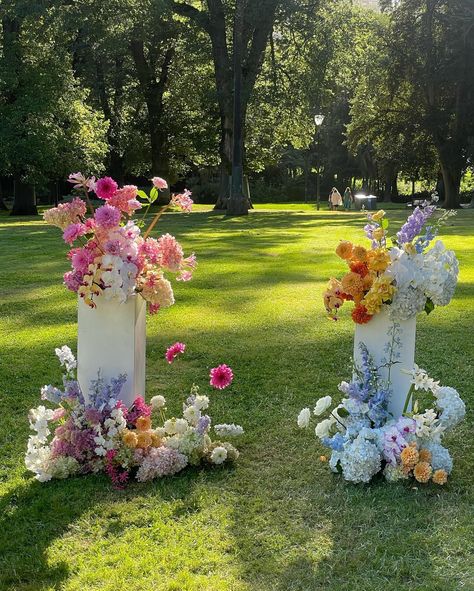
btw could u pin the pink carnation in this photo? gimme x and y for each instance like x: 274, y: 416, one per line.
x: 159, y: 183
x: 173, y: 351
x: 107, y: 216
x: 139, y: 408
x: 105, y: 187
x: 73, y: 231
x: 221, y: 376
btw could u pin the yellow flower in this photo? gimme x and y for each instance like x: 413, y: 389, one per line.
x: 440, y: 476
x: 422, y: 471
x: 377, y: 216
x: 129, y: 438
x: 425, y: 455
x: 381, y: 291
x: 378, y: 234
x: 409, y: 457
x: 344, y: 249
x: 144, y: 439
x: 378, y: 259
x: 155, y: 439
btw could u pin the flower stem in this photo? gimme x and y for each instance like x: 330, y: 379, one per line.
x: 88, y: 201
x: 407, y: 400
x: 155, y: 219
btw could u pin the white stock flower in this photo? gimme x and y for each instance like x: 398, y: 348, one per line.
x: 66, y: 358
x: 181, y: 426
x: 218, y: 455
x: 170, y: 426
x: 201, y: 402
x: 321, y: 405
x: 158, y: 402
x: 192, y: 415
x: 304, y: 418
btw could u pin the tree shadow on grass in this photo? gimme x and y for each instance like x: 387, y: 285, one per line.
x: 34, y: 515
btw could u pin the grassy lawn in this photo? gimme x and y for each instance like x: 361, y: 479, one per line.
x: 278, y: 520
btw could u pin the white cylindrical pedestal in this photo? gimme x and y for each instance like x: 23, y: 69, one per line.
x: 378, y: 335
x: 112, y: 338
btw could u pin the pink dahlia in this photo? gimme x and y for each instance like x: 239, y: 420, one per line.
x: 173, y: 351
x: 81, y: 258
x: 159, y: 183
x: 105, y: 187
x: 221, y: 376
x: 107, y: 216
x: 73, y: 231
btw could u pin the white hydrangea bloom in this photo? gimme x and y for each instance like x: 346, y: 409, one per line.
x: 452, y: 407
x: 225, y: 430
x: 181, y: 426
x: 360, y: 460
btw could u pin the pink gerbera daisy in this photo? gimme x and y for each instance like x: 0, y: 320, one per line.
x: 221, y: 376
x: 174, y: 351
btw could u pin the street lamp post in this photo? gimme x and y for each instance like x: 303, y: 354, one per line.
x: 318, y: 121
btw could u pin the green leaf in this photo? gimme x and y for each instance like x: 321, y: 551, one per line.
x: 143, y: 195
x: 384, y: 223
x: 342, y: 412
x: 153, y: 194
x: 429, y: 306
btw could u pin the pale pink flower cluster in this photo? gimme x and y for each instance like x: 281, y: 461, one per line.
x: 65, y: 213
x: 183, y: 201
x: 158, y: 462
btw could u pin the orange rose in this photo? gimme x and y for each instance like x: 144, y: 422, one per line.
x: 144, y: 439
x: 359, y: 253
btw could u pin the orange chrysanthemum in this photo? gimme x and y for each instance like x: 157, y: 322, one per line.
x: 352, y: 284
x: 129, y: 438
x: 410, y: 457
x: 359, y: 254
x: 359, y: 268
x: 367, y: 282
x: 344, y: 249
x: 425, y: 455
x: 144, y: 439
x: 440, y: 476
x: 359, y: 315
x: 143, y: 423
x: 422, y: 471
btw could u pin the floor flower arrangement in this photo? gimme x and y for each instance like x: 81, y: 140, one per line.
x: 111, y: 256
x: 103, y: 435
x: 407, y: 276
x: 365, y: 440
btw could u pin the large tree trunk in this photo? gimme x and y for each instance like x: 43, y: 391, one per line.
x: 153, y: 90
x: 225, y: 166
x: 25, y: 199
x: 451, y: 169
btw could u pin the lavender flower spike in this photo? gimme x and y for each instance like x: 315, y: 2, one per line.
x: 412, y: 227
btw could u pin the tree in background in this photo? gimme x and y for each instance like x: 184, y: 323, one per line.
x: 47, y: 127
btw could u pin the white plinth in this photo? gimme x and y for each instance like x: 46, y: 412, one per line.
x: 112, y: 338
x: 376, y: 335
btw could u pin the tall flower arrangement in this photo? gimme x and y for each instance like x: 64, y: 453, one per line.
x: 365, y: 440
x: 112, y: 255
x: 407, y: 276
x: 141, y: 442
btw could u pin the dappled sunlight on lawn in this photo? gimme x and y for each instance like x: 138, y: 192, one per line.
x: 278, y: 520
